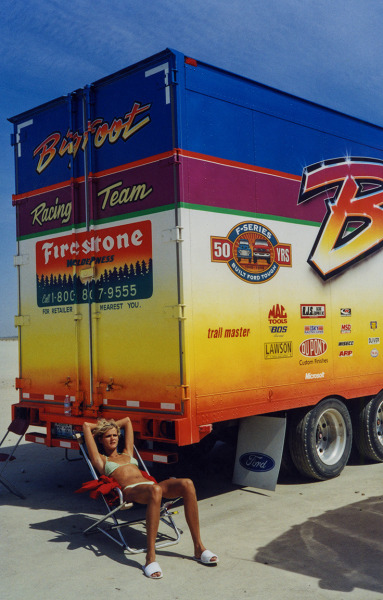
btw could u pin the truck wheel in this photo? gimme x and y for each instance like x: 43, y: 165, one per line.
x: 320, y: 439
x: 368, y: 428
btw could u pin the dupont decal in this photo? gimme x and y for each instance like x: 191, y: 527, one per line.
x: 352, y: 190
x: 373, y: 341
x: 374, y: 353
x: 373, y: 324
x: 345, y: 328
x: 313, y: 347
x: 313, y: 311
x: 346, y: 343
x: 251, y: 251
x: 278, y: 350
x: 345, y: 312
x: 256, y: 461
x: 345, y: 353
x: 313, y: 329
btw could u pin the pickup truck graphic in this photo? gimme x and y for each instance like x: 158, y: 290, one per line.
x: 261, y: 251
x: 244, y: 250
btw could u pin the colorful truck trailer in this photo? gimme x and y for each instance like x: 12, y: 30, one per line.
x: 195, y: 248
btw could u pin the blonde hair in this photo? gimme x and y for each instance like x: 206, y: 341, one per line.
x: 103, y: 425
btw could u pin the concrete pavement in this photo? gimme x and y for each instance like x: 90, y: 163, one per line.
x: 306, y: 540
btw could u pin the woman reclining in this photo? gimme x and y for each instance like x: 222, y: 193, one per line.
x: 136, y: 488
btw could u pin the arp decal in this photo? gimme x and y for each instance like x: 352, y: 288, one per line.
x: 352, y: 189
x: 251, y: 251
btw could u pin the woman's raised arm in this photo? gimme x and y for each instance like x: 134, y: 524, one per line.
x: 94, y: 455
x: 126, y: 425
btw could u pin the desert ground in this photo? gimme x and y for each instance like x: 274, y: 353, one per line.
x: 306, y: 540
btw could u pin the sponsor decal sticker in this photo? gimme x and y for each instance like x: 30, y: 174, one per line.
x: 313, y: 347
x: 277, y: 319
x: 315, y: 375
x: 345, y: 312
x: 345, y: 353
x: 373, y: 340
x: 345, y: 328
x: 278, y: 350
x: 374, y: 353
x: 347, y: 343
x: 111, y: 265
x: 313, y: 311
x: 313, y: 329
x: 373, y: 324
x: 251, y: 251
x: 256, y: 461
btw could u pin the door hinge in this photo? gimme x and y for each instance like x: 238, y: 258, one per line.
x: 21, y: 320
x: 175, y: 312
x: 20, y: 259
x: 172, y: 235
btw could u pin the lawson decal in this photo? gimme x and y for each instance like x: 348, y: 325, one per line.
x: 257, y: 462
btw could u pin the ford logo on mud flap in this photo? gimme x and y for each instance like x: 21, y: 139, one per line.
x: 256, y: 461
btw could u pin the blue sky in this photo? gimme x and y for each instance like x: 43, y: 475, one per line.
x: 328, y: 51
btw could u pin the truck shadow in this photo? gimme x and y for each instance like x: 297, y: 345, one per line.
x: 341, y: 548
x: 48, y: 480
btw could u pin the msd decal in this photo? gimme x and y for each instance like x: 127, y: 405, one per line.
x: 251, y: 251
x: 352, y: 189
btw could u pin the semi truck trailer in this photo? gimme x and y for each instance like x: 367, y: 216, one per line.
x: 195, y: 248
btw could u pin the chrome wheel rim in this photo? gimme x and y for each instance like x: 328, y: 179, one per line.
x: 331, y: 436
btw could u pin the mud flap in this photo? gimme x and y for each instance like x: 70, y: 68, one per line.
x: 259, y: 452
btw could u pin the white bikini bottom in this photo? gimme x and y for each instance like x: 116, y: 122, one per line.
x: 132, y: 485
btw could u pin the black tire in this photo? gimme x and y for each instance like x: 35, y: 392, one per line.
x: 320, y: 439
x: 368, y: 427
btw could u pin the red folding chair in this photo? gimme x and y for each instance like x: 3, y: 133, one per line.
x: 115, y: 517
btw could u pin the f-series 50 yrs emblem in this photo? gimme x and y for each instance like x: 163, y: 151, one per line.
x: 251, y: 251
x: 257, y: 462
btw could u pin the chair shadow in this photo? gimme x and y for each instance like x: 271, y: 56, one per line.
x: 69, y: 530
